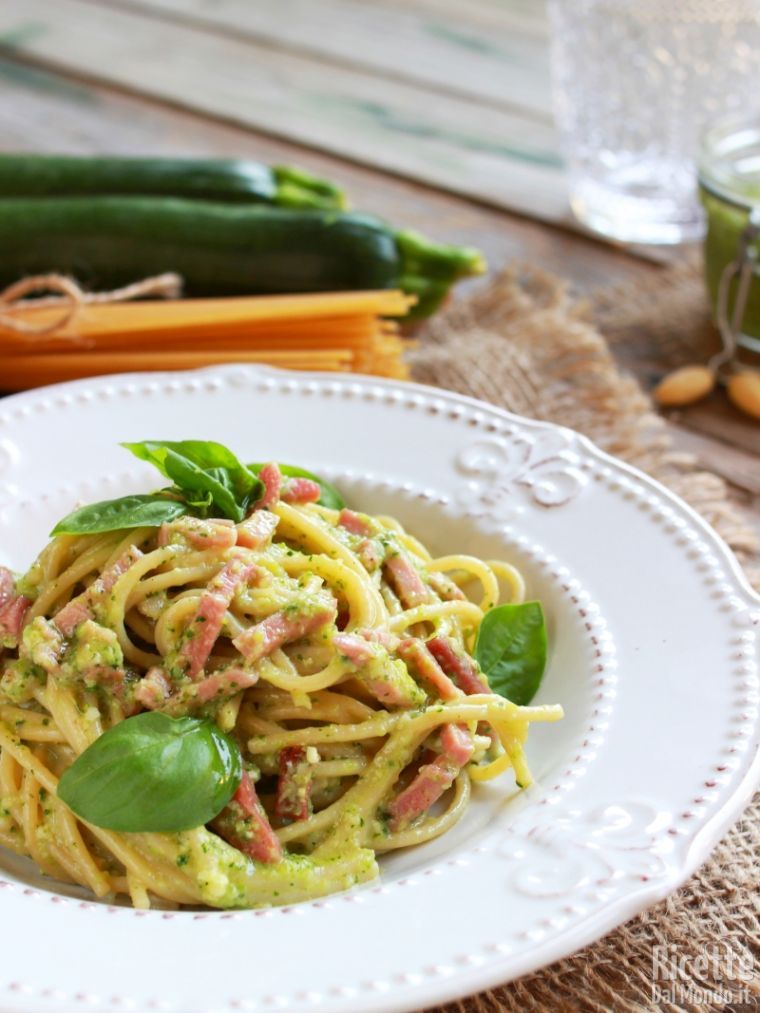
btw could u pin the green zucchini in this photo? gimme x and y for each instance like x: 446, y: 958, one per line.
x: 236, y: 181
x: 222, y: 249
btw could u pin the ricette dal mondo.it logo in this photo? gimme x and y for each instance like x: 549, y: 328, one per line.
x: 720, y: 975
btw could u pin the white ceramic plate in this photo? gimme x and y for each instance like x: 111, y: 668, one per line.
x: 654, y: 637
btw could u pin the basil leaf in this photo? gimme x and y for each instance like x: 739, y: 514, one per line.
x: 330, y: 496
x: 511, y: 650
x: 203, y: 469
x: 153, y: 774
x: 117, y: 514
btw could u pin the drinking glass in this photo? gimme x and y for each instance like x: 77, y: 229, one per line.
x: 635, y: 83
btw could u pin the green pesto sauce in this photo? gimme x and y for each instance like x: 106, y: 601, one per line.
x: 725, y: 223
x: 228, y: 879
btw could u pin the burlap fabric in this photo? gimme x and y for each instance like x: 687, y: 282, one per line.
x: 524, y: 343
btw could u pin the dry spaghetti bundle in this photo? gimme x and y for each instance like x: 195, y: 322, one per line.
x: 350, y: 332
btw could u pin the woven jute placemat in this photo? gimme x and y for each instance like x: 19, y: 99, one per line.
x: 523, y: 342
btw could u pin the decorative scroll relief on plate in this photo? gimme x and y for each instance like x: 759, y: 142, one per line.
x: 543, y: 463
x: 572, y: 851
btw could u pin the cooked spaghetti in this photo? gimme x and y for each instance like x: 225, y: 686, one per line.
x: 329, y: 644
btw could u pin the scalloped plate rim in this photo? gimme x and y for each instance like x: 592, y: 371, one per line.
x: 596, y: 923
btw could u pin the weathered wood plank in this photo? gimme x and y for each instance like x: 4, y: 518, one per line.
x: 716, y: 417
x: 740, y: 468
x: 502, y: 157
x: 46, y: 111
x: 497, y: 60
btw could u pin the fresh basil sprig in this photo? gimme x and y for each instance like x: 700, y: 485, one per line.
x: 511, y: 650
x: 116, y: 514
x: 154, y: 774
x: 330, y: 496
x: 209, y: 475
x: 209, y: 481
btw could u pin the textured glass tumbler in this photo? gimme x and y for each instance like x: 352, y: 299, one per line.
x: 635, y: 83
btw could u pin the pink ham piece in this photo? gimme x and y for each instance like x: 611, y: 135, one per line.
x: 415, y: 653
x: 80, y: 608
x: 219, y: 533
x: 202, y: 631
x: 118, y: 683
x: 256, y: 531
x: 279, y: 629
x: 293, y: 786
x: 156, y: 692
x: 272, y: 479
x: 459, y: 665
x: 300, y: 490
x: 387, y: 680
x: 224, y: 682
x: 244, y: 824
x: 357, y: 524
x: 12, y: 616
x: 457, y: 743
x: 358, y: 650
x: 154, y: 689
x: 369, y: 554
x: 410, y: 588
x: 432, y: 779
x: 388, y: 640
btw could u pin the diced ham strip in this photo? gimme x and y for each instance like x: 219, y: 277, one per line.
x: 386, y: 683
x: 388, y: 640
x: 272, y: 479
x: 154, y: 689
x: 445, y: 587
x: 293, y: 785
x: 300, y: 490
x: 7, y: 586
x: 415, y: 653
x: 256, y: 531
x: 356, y: 649
x: 12, y: 616
x: 457, y: 743
x: 116, y: 681
x: 80, y: 608
x: 224, y: 682
x: 370, y: 555
x: 244, y: 824
x: 357, y: 524
x: 432, y: 779
x: 410, y: 588
x: 279, y: 629
x: 201, y: 534
x: 459, y: 665
x: 203, y: 629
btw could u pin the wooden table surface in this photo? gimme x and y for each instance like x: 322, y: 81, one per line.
x: 431, y: 113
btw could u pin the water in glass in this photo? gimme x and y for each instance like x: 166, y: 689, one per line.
x: 635, y: 83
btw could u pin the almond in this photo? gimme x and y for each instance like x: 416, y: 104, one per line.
x: 744, y: 391
x: 684, y: 386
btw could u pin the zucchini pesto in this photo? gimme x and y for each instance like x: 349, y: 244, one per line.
x: 237, y: 692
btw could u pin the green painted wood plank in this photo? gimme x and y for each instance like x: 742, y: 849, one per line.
x: 494, y: 155
x: 498, y: 58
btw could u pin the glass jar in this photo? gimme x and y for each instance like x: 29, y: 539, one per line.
x: 729, y: 183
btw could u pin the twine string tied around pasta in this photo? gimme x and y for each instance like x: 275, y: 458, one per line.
x: 71, y: 297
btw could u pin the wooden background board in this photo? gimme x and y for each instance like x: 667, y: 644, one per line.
x: 387, y: 113
x: 428, y: 112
